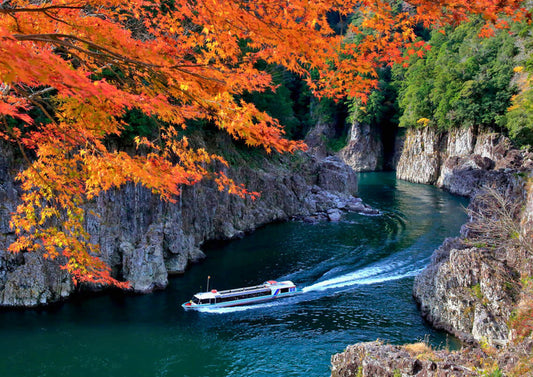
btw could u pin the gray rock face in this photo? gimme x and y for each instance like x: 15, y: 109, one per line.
x: 460, y: 161
x: 48, y: 282
x: 364, y: 151
x: 375, y: 359
x: 470, y: 291
x: 317, y: 136
x: 144, y: 239
x: 467, y: 292
x: 420, y: 158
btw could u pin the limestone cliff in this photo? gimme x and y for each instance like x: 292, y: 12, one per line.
x: 474, y: 282
x: 460, y: 161
x: 364, y: 151
x: 144, y: 239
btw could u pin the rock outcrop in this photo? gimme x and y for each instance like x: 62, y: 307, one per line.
x: 468, y: 289
x: 471, y: 290
x: 364, y: 151
x: 420, y: 158
x: 144, y: 239
x: 375, y: 359
x: 473, y: 283
x: 468, y: 292
x: 460, y: 161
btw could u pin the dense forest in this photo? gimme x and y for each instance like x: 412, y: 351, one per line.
x: 464, y: 80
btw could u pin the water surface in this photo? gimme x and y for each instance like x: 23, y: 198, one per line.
x: 356, y: 275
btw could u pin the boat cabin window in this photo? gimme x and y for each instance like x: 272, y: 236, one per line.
x: 197, y: 301
x: 244, y: 296
x: 284, y: 290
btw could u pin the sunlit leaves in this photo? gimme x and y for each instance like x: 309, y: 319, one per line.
x: 174, y: 62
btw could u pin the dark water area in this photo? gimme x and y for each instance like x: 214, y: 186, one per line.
x: 356, y: 277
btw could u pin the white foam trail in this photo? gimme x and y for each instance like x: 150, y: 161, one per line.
x: 388, y: 278
x: 366, y: 276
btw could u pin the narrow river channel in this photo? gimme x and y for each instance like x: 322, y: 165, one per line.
x: 356, y: 275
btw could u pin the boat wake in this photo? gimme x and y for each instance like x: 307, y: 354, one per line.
x: 347, y: 270
x: 364, y: 276
x: 375, y: 274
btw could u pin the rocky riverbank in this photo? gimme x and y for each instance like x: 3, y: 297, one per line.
x: 460, y: 161
x: 144, y: 239
x: 476, y: 285
x: 376, y: 359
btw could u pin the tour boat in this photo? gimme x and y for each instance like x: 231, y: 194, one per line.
x: 269, y: 290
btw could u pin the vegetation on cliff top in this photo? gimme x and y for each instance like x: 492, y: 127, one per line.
x: 464, y: 80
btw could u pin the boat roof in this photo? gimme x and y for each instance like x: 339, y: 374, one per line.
x: 267, y: 285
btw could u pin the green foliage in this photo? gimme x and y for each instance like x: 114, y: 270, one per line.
x: 464, y: 80
x: 476, y: 290
x: 289, y: 103
x: 336, y: 144
x: 381, y: 106
x: 137, y: 124
x: 497, y: 372
x: 520, y: 119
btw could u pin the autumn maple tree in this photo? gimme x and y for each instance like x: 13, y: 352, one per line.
x: 175, y: 61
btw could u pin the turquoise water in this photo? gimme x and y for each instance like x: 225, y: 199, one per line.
x: 356, y: 276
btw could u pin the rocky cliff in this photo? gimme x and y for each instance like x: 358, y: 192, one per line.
x: 364, y: 150
x: 144, y: 239
x: 460, y: 161
x: 376, y: 359
x: 474, y: 284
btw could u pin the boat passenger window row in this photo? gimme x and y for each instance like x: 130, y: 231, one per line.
x: 245, y: 296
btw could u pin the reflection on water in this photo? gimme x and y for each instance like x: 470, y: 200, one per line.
x: 356, y: 278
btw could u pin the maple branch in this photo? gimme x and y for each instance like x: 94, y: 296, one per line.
x: 106, y: 53
x: 31, y: 97
x: 56, y: 18
x: 43, y: 91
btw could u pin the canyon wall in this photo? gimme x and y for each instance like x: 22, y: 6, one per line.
x: 460, y: 161
x: 471, y: 287
x: 364, y: 149
x: 474, y: 282
x: 144, y: 239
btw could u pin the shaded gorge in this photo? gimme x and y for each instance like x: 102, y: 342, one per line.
x: 356, y: 277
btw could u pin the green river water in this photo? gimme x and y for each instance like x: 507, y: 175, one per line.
x: 356, y: 277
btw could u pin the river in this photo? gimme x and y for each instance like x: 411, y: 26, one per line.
x: 356, y: 277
